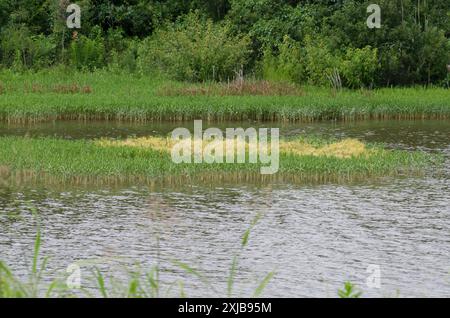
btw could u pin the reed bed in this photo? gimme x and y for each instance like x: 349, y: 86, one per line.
x: 55, y: 160
x: 104, y: 95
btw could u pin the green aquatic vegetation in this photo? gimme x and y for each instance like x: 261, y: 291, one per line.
x: 102, y: 95
x: 349, y: 291
x: 25, y: 159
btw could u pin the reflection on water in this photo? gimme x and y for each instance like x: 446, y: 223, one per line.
x: 315, y: 236
x: 426, y: 134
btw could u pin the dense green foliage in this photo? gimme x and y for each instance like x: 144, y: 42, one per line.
x: 195, y: 50
x: 314, y: 42
x: 47, y: 159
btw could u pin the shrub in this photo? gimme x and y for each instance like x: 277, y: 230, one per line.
x: 312, y: 62
x: 434, y: 55
x: 194, y: 50
x: 87, y: 53
x: 359, y: 66
x: 24, y: 51
x: 315, y: 63
x: 287, y: 65
x: 415, y: 56
x: 122, y: 53
x: 319, y: 60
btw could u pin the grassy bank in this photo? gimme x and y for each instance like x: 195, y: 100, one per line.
x: 148, y: 160
x: 59, y: 95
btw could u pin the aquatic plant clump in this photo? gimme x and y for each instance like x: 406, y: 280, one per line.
x: 148, y: 160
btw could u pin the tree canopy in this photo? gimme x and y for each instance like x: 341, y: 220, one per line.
x: 305, y: 38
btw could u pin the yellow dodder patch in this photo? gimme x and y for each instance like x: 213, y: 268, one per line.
x: 156, y: 143
x: 346, y: 148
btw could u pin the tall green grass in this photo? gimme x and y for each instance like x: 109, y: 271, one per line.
x: 102, y: 95
x: 80, y: 161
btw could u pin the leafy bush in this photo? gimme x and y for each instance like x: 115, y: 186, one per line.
x: 359, y: 66
x: 287, y: 65
x: 123, y: 61
x: 315, y: 63
x: 311, y: 63
x: 434, y: 55
x: 414, y: 55
x: 122, y: 52
x: 319, y: 60
x: 87, y: 53
x: 24, y: 51
x: 194, y: 50
x: 268, y: 21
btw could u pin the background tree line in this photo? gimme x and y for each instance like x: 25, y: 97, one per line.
x: 302, y: 41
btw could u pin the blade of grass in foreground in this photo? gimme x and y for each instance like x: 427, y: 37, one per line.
x: 10, y: 286
x: 263, y: 284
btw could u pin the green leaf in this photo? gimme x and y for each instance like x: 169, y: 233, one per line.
x: 263, y: 284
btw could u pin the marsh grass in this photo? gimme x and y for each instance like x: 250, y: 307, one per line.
x: 104, y: 95
x: 25, y: 159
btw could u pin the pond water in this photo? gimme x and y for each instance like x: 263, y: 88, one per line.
x: 315, y: 236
